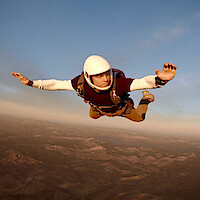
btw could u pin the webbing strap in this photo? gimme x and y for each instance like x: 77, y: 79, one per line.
x: 114, y: 97
x: 80, y: 85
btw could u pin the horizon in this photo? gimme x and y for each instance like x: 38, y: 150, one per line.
x: 51, y: 41
x: 140, y: 130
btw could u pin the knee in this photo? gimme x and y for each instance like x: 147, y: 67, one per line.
x: 143, y: 117
x: 94, y: 117
x: 140, y: 118
x: 94, y: 114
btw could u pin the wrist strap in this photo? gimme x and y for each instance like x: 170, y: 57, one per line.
x: 160, y: 82
x: 30, y: 83
x: 144, y: 101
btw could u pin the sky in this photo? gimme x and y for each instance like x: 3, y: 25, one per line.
x: 51, y: 40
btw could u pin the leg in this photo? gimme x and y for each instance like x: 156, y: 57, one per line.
x: 138, y: 114
x: 94, y: 114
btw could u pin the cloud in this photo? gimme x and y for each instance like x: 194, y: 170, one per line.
x: 128, y: 52
x: 32, y: 112
x: 169, y: 35
x: 150, y: 124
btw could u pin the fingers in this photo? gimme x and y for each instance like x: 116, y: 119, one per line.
x: 18, y: 75
x: 21, y: 78
x: 15, y: 74
x: 157, y: 71
x: 169, y: 66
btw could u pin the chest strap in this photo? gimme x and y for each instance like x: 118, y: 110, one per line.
x: 114, y: 97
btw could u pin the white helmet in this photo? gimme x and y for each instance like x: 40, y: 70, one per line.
x: 95, y: 65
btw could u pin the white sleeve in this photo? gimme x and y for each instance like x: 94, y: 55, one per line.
x: 148, y: 82
x: 53, y: 84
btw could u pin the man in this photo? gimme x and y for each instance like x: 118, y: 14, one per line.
x: 106, y: 89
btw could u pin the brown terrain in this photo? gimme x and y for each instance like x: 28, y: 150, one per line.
x: 47, y: 161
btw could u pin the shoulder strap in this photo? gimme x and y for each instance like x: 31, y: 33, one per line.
x: 80, y: 85
x: 119, y: 73
x: 115, y: 99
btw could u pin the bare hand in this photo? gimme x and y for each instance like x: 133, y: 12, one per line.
x: 167, y: 73
x: 22, y: 78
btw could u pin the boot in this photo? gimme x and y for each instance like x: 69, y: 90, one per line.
x: 147, y: 97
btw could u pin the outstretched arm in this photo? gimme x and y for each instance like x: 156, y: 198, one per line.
x: 155, y: 81
x: 51, y: 84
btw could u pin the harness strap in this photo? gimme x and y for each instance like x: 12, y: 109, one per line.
x: 114, y: 97
x: 122, y: 111
x: 102, y: 107
x: 80, y: 84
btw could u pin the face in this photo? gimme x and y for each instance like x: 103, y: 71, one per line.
x: 102, y: 80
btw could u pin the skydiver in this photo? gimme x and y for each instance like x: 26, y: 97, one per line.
x: 106, y: 89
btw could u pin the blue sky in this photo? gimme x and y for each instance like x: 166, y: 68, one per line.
x: 51, y: 39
